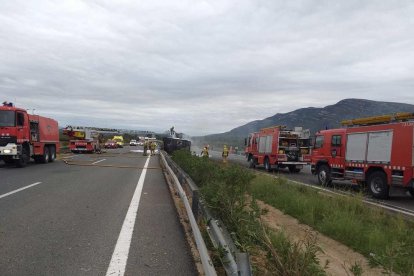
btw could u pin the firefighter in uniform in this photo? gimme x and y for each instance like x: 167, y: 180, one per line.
x: 153, y: 146
x: 225, y: 154
x: 204, y: 152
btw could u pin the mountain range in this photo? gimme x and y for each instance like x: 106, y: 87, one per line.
x: 312, y: 118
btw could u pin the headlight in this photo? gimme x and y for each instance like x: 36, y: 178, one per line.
x: 7, y: 151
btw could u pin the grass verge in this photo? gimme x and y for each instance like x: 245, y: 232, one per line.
x: 385, y: 239
x: 224, y: 189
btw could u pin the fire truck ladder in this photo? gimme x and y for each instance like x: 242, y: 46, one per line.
x: 382, y: 119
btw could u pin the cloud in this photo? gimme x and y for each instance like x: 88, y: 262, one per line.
x: 203, y: 66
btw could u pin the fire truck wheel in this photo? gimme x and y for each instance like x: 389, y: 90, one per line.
x: 252, y: 163
x: 45, y: 157
x: 24, y: 159
x: 52, y: 153
x: 377, y: 184
x: 267, y: 165
x: 324, y: 175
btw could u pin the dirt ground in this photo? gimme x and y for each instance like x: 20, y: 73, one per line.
x: 340, y: 258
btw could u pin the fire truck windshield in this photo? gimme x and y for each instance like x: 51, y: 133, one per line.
x: 7, y: 118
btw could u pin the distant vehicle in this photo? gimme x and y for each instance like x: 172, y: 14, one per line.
x: 23, y: 136
x: 251, y: 144
x: 111, y: 144
x: 173, y: 144
x: 280, y: 148
x: 377, y: 151
x: 119, y: 140
x: 85, y: 139
x: 133, y: 143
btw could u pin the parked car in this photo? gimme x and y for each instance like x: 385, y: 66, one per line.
x: 111, y: 144
x: 133, y: 143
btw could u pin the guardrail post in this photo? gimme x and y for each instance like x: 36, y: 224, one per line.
x: 194, y: 204
x: 243, y: 264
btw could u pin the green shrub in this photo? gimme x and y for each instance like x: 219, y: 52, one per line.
x: 225, y: 190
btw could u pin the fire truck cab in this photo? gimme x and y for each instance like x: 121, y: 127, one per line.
x: 24, y: 136
x: 251, y: 150
x: 377, y: 151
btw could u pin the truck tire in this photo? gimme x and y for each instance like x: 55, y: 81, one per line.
x: 23, y: 160
x: 293, y: 169
x: 377, y: 185
x: 45, y: 157
x: 52, y: 154
x: 324, y: 175
x: 267, y: 165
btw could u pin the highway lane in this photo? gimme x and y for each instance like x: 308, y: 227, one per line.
x: 399, y: 198
x: 70, y: 223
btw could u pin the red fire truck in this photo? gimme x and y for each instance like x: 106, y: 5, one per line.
x: 85, y: 139
x: 251, y: 149
x: 23, y: 136
x: 377, y: 151
x: 278, y: 147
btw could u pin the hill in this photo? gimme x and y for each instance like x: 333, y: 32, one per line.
x: 310, y: 117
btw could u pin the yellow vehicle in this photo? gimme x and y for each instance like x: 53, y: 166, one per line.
x: 119, y: 141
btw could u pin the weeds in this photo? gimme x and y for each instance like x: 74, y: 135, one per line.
x: 224, y: 188
x: 386, y: 240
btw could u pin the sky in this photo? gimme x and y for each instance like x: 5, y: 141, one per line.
x: 202, y: 66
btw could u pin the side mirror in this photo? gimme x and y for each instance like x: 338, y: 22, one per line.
x: 333, y: 152
x: 245, y: 141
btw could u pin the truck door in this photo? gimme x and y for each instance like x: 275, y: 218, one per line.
x: 336, y: 146
x: 22, y: 125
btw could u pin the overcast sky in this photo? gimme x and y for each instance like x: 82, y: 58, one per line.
x: 202, y: 66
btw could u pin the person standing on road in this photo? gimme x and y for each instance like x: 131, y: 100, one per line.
x: 153, y: 146
x: 225, y: 153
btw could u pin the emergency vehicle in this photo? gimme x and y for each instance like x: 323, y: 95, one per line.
x: 119, y: 140
x: 251, y: 149
x: 278, y: 147
x: 377, y: 151
x: 85, y: 139
x: 23, y: 136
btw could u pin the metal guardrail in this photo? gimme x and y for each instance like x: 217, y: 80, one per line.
x: 234, y: 262
x: 201, y: 246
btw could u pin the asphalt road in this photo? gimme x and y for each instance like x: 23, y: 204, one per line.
x: 398, y: 198
x: 69, y: 221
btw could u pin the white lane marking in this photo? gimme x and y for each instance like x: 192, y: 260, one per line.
x: 21, y: 189
x: 68, y: 157
x: 120, y: 255
x: 99, y: 161
x: 137, y: 150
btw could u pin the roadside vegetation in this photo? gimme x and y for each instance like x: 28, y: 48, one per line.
x: 384, y: 239
x: 231, y: 191
x: 224, y: 189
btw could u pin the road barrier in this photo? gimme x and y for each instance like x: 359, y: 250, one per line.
x: 206, y: 262
x: 234, y: 261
